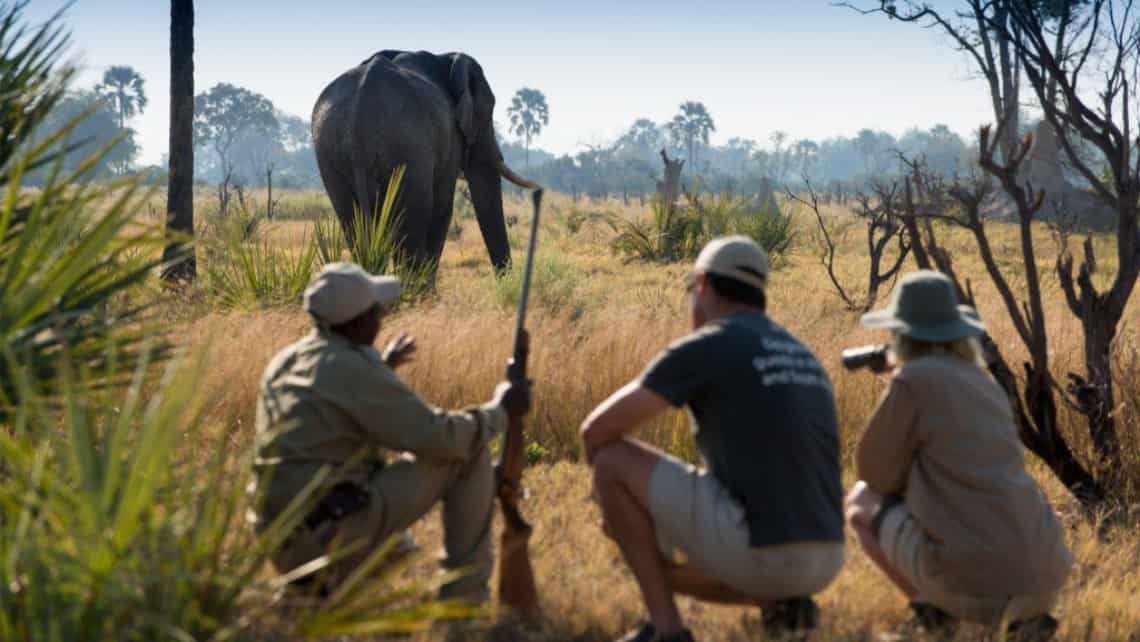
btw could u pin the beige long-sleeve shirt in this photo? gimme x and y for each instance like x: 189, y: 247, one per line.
x: 943, y: 437
x: 323, y: 400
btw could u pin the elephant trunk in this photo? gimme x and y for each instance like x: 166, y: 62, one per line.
x: 511, y: 176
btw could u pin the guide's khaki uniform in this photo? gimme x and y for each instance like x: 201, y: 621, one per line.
x: 322, y: 401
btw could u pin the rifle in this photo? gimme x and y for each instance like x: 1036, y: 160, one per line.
x: 516, y: 576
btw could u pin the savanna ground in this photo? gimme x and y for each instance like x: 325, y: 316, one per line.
x: 595, y: 321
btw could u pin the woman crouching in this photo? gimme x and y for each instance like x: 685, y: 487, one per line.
x: 944, y: 505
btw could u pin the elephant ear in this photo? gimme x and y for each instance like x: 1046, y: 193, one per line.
x: 474, y: 102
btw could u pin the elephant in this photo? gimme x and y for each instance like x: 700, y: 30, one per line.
x: 431, y: 113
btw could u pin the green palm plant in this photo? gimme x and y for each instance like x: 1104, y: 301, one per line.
x: 66, y: 259
x: 108, y: 533
x: 255, y: 273
x: 373, y: 243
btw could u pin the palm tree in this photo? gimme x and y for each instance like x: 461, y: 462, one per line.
x: 692, y: 125
x: 528, y: 114
x: 122, y: 87
x: 178, y: 256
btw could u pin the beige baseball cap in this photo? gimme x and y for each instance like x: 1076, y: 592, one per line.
x: 736, y: 257
x: 341, y: 292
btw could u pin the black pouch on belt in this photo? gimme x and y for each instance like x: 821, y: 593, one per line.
x: 342, y: 500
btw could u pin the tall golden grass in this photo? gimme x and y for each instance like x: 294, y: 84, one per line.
x: 609, y: 320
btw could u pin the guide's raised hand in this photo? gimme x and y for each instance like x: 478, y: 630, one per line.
x: 399, y: 351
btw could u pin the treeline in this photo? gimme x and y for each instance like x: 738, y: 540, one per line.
x: 632, y: 163
x: 242, y: 138
x: 238, y: 134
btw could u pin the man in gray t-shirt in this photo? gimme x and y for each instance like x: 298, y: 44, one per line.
x: 762, y: 524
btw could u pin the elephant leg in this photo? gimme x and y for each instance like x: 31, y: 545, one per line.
x: 442, y: 213
x: 339, y: 188
x: 417, y: 205
x: 367, y: 192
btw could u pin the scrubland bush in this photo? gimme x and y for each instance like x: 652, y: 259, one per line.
x: 679, y: 233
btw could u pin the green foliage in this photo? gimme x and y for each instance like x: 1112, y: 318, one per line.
x: 225, y: 113
x: 373, y: 245
x: 552, y: 284
x: 255, y: 273
x: 107, y: 533
x: 124, y: 89
x: 722, y: 215
x: 670, y: 235
x: 690, y: 127
x: 679, y: 233
x: 91, y: 125
x: 536, y: 452
x: 329, y: 239
x: 529, y: 114
x: 66, y: 260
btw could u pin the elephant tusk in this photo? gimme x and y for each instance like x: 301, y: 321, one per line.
x: 509, y: 174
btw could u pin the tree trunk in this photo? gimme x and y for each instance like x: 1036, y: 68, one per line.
x: 1009, y: 98
x: 178, y: 256
x: 1096, y: 396
x: 670, y: 187
x: 269, y: 192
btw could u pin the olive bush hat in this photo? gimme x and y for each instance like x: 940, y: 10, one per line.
x: 924, y: 306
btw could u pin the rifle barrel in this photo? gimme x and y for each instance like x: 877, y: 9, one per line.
x: 520, y: 323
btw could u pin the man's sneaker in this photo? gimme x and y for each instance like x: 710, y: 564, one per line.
x: 790, y: 619
x: 927, y: 623
x: 1035, y: 629
x: 649, y: 634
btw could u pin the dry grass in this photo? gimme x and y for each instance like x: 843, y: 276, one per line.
x: 612, y: 319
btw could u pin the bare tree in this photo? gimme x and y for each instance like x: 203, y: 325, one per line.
x: 927, y: 198
x: 1059, y: 48
x: 878, y: 213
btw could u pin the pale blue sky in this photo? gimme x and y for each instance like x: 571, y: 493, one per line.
x: 801, y: 66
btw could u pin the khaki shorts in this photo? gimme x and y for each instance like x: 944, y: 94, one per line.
x: 700, y: 524
x: 907, y: 546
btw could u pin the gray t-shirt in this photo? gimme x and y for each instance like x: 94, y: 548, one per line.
x: 765, y: 422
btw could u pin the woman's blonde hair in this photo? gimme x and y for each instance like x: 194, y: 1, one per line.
x: 908, y: 349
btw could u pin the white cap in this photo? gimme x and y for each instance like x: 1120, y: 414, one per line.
x: 736, y: 257
x: 341, y: 292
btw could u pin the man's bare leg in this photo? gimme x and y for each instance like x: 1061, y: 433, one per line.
x: 862, y: 505
x: 621, y: 484
x: 687, y: 580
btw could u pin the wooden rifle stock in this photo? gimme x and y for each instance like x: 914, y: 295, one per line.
x: 516, y: 575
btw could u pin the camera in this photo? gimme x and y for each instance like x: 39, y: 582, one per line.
x: 872, y: 357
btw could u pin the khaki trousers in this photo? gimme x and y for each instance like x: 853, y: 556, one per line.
x: 904, y: 542
x: 695, y: 518
x: 402, y: 493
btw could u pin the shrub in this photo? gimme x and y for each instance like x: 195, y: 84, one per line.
x: 679, y: 233
x: 250, y: 274
x: 552, y: 283
x: 373, y: 245
x: 329, y: 239
x: 771, y: 229
x: 672, y: 234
